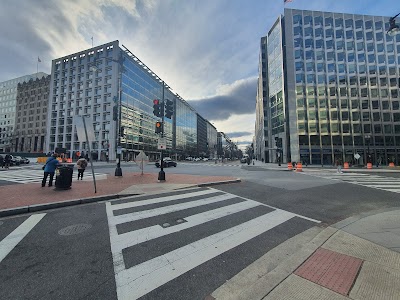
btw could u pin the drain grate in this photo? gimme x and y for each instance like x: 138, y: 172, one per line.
x: 74, y: 229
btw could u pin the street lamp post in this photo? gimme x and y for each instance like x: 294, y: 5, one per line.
x: 367, y: 139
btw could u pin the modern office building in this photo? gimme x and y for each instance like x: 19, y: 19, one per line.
x: 8, y: 102
x: 332, y: 88
x: 31, y: 115
x: 112, y: 87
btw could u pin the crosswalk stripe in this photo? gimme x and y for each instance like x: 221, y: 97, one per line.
x: 159, y: 200
x: 133, y: 238
x: 166, y: 209
x: 393, y: 190
x: 139, y: 280
x: 12, y: 240
x: 389, y: 184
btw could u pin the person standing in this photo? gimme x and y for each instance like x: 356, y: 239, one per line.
x: 82, y: 164
x: 339, y: 165
x: 7, y: 161
x: 49, y: 169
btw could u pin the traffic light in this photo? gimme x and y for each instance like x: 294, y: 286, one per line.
x: 159, y: 127
x: 276, y: 142
x: 157, y: 108
x: 169, y: 109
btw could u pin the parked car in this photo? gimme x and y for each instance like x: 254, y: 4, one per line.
x: 19, y: 160
x: 243, y: 160
x: 167, y: 162
x: 25, y: 160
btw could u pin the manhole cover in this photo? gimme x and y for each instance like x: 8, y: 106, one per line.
x: 74, y: 229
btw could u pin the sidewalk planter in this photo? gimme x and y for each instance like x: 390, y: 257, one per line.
x: 64, y: 177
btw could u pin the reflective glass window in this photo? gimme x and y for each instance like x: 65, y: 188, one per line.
x: 299, y: 66
x: 319, y: 32
x: 329, y: 44
x: 359, y: 35
x: 297, y: 30
x: 338, y: 22
x: 321, y: 79
x: 385, y: 104
x: 361, y: 57
x: 378, y: 25
x: 359, y: 23
x: 309, y: 54
x: 349, y: 34
x: 308, y: 31
x: 370, y: 47
x: 369, y: 36
x: 381, y: 59
x: 307, y: 20
x: 350, y: 57
x: 350, y: 46
x: 310, y: 67
x: 380, y: 47
x: 371, y: 58
x: 318, y: 20
x: 391, y: 59
x: 348, y: 23
x: 339, y: 45
x: 379, y: 36
x: 361, y: 69
x: 320, y: 67
x: 297, y: 19
x: 368, y: 25
x: 298, y: 42
x: 328, y: 21
x: 308, y: 43
x: 339, y: 33
x: 319, y: 44
x: 340, y: 56
x: 329, y: 33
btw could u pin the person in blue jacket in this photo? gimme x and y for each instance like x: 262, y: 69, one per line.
x: 49, y: 169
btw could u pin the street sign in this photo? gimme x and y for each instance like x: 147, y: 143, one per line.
x: 119, y: 150
x: 162, y: 144
x: 357, y: 156
x: 141, y: 160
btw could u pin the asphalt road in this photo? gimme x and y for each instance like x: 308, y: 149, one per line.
x: 179, y: 245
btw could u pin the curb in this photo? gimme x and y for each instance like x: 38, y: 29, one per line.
x: 45, y: 206
x: 219, y: 182
x: 39, y: 207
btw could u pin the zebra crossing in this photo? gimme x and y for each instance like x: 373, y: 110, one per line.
x: 390, y: 184
x: 35, y: 176
x: 180, y: 231
x: 211, y: 164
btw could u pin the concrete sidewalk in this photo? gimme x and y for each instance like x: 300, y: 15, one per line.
x: 24, y: 198
x: 357, y: 258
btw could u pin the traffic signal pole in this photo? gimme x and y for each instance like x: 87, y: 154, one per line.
x: 161, y: 174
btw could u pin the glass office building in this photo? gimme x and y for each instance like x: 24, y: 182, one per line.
x: 112, y: 87
x: 333, y: 88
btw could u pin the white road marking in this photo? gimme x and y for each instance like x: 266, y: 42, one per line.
x: 160, y: 199
x: 139, y: 215
x: 12, y: 240
x: 139, y: 280
x: 133, y: 238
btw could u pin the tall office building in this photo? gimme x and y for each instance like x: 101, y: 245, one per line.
x: 8, y: 104
x: 112, y: 87
x: 333, y: 88
x: 30, y: 121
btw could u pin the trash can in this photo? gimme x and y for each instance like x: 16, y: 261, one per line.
x: 64, y: 176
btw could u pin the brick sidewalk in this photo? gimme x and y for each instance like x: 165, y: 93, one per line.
x: 18, y: 195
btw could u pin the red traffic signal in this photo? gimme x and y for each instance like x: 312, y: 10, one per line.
x: 156, y: 101
x: 159, y: 127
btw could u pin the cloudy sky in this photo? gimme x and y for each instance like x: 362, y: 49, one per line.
x: 206, y: 50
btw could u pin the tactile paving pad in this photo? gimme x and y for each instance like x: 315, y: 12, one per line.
x: 330, y: 269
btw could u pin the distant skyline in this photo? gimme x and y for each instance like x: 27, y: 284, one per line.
x: 207, y: 50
